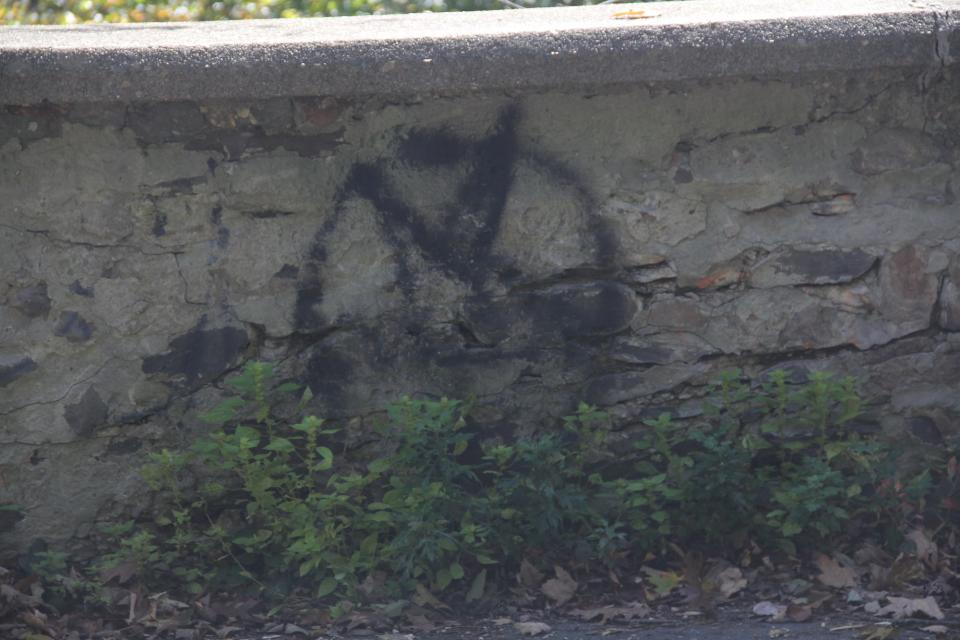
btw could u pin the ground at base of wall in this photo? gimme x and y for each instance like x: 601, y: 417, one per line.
x: 833, y: 603
x: 728, y: 625
x: 731, y: 626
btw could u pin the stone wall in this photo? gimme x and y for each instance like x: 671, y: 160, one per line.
x: 619, y: 244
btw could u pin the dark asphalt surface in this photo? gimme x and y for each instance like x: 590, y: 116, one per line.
x: 821, y: 629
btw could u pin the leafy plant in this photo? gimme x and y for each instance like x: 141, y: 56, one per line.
x: 772, y: 463
x: 262, y: 501
x: 62, y: 584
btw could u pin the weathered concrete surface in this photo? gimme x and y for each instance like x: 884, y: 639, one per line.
x: 451, y: 53
x: 533, y: 249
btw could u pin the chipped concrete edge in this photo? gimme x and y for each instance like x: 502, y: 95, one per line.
x: 452, y: 54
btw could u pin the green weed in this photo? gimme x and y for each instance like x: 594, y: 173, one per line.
x: 263, y: 502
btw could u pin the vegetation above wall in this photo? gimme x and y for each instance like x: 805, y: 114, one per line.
x: 119, y: 11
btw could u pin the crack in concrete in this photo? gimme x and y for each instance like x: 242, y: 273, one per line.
x: 869, y: 100
x: 786, y: 202
x: 941, y: 57
x: 186, y: 286
x: 941, y: 49
x: 46, y: 235
x: 65, y: 393
x: 55, y: 443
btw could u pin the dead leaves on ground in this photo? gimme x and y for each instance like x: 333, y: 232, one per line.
x: 529, y: 576
x: 709, y: 584
x: 560, y: 590
x: 926, y: 549
x: 662, y: 582
x: 531, y: 628
x: 878, y: 632
x: 883, y: 573
x: 835, y: 575
x: 936, y: 629
x: 24, y: 610
x: 729, y: 581
x: 911, y: 608
x: 626, y: 613
x: 794, y: 612
x: 864, y: 582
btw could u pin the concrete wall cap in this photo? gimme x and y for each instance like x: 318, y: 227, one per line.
x: 456, y: 53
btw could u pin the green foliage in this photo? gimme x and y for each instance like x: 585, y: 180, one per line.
x: 62, y: 583
x: 112, y: 11
x: 275, y: 509
x: 773, y: 463
x: 263, y: 502
x: 538, y: 493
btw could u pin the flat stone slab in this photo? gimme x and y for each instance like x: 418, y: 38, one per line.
x: 456, y: 53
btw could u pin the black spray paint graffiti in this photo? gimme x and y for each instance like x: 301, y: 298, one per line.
x: 462, y: 251
x: 456, y: 235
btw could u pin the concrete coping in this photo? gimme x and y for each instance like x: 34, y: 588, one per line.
x: 456, y: 53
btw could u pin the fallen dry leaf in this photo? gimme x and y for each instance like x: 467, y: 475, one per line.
x: 909, y: 607
x: 796, y: 587
x: 877, y: 632
x: 770, y: 610
x: 606, y: 614
x: 816, y: 598
x: 936, y: 629
x: 926, y: 548
x: 561, y: 588
x: 531, y: 628
x: 37, y: 621
x: 426, y: 599
x: 729, y: 581
x: 363, y: 620
x: 292, y: 629
x: 871, y: 553
x: 14, y: 598
x: 799, y: 612
x: 421, y: 622
x: 904, y: 570
x: 864, y: 595
x: 634, y: 14
x: 663, y: 582
x: 529, y: 576
x: 833, y: 574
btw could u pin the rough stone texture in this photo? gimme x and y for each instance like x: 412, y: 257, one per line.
x: 87, y: 414
x: 14, y: 366
x: 620, y: 246
x: 950, y: 298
